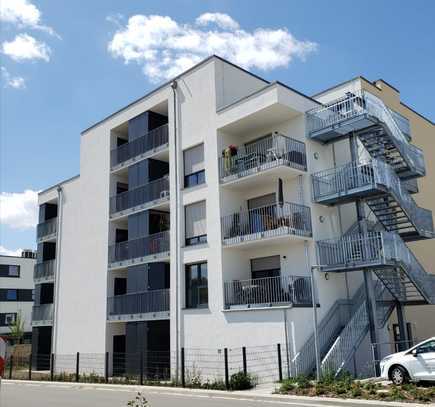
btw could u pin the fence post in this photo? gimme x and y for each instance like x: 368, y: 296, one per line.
x: 183, y: 374
x: 141, y: 368
x: 52, y: 367
x: 227, y: 379
x: 30, y: 366
x: 278, y: 348
x: 245, y: 368
x: 11, y: 363
x: 106, y: 368
x: 77, y: 366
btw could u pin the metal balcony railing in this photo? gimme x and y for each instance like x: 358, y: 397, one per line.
x: 42, y: 313
x: 376, y: 250
x: 138, y: 303
x: 350, y: 178
x: 363, y: 104
x: 268, y: 152
x: 44, y: 270
x: 141, y: 247
x: 268, y: 291
x: 154, y: 139
x: 152, y: 191
x: 46, y: 228
x: 267, y: 221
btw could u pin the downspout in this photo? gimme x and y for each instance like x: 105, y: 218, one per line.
x: 174, y: 85
x: 57, y: 275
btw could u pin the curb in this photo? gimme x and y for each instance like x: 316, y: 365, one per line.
x: 240, y: 395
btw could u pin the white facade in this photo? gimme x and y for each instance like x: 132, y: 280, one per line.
x: 16, y: 274
x: 217, y: 105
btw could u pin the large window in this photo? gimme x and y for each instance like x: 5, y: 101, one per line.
x: 196, y: 285
x: 195, y: 222
x: 194, y: 172
x: 9, y: 270
x: 264, y: 267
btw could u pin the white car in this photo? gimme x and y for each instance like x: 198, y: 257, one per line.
x: 414, y: 364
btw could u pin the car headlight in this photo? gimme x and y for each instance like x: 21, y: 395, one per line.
x: 386, y: 359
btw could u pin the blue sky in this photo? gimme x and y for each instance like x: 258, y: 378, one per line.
x: 59, y: 74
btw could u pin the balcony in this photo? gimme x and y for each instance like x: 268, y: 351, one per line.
x: 270, y: 221
x: 140, y: 306
x: 376, y: 127
x: 47, y: 230
x: 378, y: 184
x: 149, y: 248
x: 151, y: 143
x: 389, y: 257
x: 268, y: 292
x: 44, y: 272
x: 42, y: 315
x: 144, y: 197
x: 275, y: 155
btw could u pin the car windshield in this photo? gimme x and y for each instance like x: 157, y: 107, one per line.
x: 426, y: 347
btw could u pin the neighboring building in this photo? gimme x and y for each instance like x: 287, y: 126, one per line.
x: 201, y: 209
x: 16, y: 292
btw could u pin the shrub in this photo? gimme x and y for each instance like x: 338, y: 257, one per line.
x: 241, y: 381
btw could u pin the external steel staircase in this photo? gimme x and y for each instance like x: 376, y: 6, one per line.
x: 367, y: 116
x: 342, y: 330
x: 378, y: 185
x: 384, y: 184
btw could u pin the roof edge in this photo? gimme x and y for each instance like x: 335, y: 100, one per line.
x: 58, y: 184
x: 167, y: 83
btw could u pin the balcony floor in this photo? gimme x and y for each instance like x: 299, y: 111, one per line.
x: 160, y: 204
x: 351, y: 194
x: 269, y: 237
x: 260, y: 175
x: 47, y: 238
x: 148, y: 316
x: 159, y: 153
x: 342, y: 128
x: 152, y: 258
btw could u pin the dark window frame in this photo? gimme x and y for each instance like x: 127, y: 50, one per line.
x: 189, y: 303
x: 194, y: 179
x: 196, y: 240
x: 8, y: 273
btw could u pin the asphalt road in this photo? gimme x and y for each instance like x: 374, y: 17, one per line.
x: 67, y: 395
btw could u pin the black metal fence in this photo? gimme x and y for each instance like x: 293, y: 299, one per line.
x: 189, y: 368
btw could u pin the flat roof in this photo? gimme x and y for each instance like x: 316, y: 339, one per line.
x: 59, y: 184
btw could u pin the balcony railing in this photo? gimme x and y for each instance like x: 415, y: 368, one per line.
x: 153, y: 191
x: 44, y: 270
x: 376, y: 175
x: 42, y: 313
x: 267, y: 221
x: 138, y: 303
x: 46, y: 228
x: 269, y: 152
x: 151, y: 141
x: 142, y: 247
x: 268, y: 291
x: 375, y: 250
x: 358, y: 105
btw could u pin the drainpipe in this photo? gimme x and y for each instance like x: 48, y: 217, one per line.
x: 174, y: 86
x: 57, y: 275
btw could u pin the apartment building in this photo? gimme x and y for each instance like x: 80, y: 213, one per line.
x: 16, y: 292
x: 203, y: 209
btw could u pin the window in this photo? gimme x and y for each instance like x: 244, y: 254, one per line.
x: 9, y: 270
x: 427, y: 347
x: 11, y: 295
x: 264, y: 267
x: 195, y: 224
x: 7, y: 319
x: 196, y: 285
x: 194, y: 172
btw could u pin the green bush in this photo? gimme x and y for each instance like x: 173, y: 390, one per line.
x: 241, y: 381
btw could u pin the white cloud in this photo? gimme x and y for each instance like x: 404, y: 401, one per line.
x: 23, y: 14
x: 165, y: 48
x: 223, y: 21
x: 19, y: 210
x: 8, y: 252
x: 25, y: 47
x: 16, y: 82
